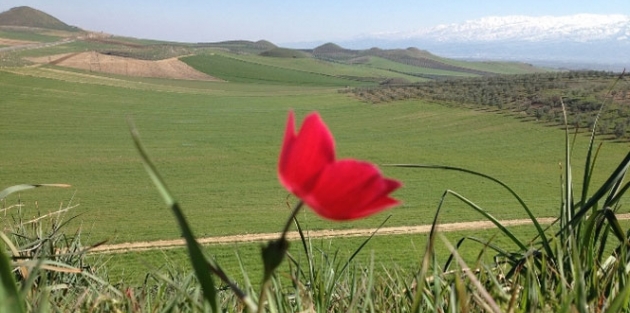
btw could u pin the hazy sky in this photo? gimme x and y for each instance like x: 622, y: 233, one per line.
x: 281, y: 21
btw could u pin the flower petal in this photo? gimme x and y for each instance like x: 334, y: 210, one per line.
x: 351, y: 189
x: 304, y: 155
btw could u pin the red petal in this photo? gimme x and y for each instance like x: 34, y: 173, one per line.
x: 351, y: 189
x: 304, y: 155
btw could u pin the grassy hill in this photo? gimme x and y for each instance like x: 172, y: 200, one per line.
x: 414, y: 58
x: 28, y: 17
x: 243, y: 70
x: 284, y: 53
x: 261, y: 67
x: 239, y: 46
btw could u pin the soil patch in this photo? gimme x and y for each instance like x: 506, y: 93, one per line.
x: 98, y: 62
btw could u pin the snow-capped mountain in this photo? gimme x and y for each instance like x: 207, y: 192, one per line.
x: 579, y: 28
x: 581, y: 38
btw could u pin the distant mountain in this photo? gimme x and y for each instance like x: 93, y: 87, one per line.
x: 28, y: 17
x: 581, y: 38
x: 409, y: 56
x: 578, y: 28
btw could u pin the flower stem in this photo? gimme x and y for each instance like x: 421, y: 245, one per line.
x: 296, y: 209
x: 273, y: 254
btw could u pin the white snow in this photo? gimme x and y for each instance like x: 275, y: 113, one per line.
x: 578, y: 28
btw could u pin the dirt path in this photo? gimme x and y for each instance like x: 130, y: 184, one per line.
x: 400, y: 230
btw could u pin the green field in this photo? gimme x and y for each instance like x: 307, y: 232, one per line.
x: 496, y: 67
x: 382, y: 63
x: 27, y: 35
x: 216, y: 145
x: 363, y: 72
x: 245, y: 71
x: 269, y: 70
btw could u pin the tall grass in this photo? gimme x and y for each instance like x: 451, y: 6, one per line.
x: 579, y: 264
x: 40, y: 263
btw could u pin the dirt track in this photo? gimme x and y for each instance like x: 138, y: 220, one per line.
x: 400, y: 230
x: 167, y: 244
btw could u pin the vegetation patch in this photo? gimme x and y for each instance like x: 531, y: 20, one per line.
x: 238, y: 70
x: 537, y: 97
x: 284, y: 53
x: 26, y: 35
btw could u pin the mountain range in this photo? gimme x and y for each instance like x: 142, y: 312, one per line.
x: 575, y: 40
x: 579, y: 28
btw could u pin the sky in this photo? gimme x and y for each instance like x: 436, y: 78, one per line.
x: 290, y: 21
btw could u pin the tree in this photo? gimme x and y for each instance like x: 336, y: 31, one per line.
x: 620, y: 129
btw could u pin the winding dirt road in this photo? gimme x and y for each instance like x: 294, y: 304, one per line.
x: 449, y: 227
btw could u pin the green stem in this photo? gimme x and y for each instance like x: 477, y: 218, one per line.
x: 296, y: 209
x: 273, y: 254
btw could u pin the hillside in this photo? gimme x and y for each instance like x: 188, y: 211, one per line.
x: 28, y: 17
x: 536, y: 97
x: 415, y: 58
x: 111, y: 64
x: 250, y: 61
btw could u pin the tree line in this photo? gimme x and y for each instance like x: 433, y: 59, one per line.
x: 538, y: 96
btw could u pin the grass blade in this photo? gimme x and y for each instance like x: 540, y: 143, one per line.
x: 479, y: 288
x: 9, y: 286
x: 613, y: 180
x: 540, y: 231
x: 365, y: 242
x: 17, y: 188
x: 491, y: 218
x: 197, y: 258
x: 621, y: 301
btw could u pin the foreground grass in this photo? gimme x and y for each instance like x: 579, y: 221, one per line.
x: 211, y: 147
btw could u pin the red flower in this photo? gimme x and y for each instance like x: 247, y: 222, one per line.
x: 337, y: 190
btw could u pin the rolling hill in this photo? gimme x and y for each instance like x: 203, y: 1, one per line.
x: 28, y: 17
x: 264, y: 61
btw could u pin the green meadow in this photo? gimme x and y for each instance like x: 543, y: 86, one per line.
x: 255, y: 68
x: 18, y: 34
x: 216, y: 145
